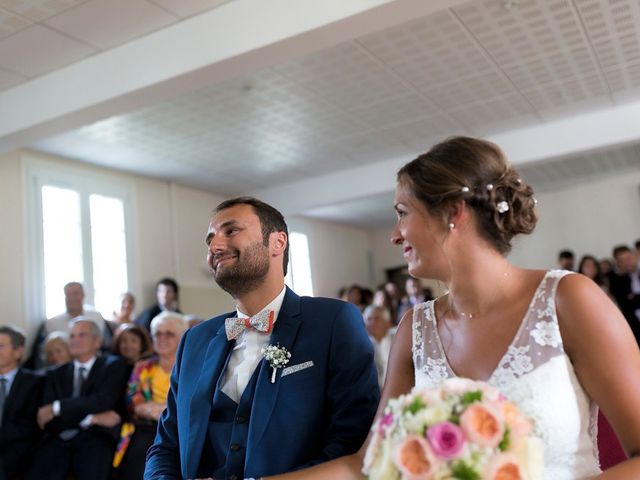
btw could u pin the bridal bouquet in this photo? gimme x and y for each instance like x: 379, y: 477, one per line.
x: 462, y: 430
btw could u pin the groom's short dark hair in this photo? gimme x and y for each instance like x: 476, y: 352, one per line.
x: 271, y: 220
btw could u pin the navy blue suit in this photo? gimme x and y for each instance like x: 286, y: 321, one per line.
x: 304, y: 418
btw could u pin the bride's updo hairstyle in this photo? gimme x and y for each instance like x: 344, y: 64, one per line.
x: 476, y: 171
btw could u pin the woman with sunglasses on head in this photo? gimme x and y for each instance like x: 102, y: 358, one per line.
x: 147, y: 395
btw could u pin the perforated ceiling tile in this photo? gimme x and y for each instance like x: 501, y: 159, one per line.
x: 421, y: 133
x: 460, y: 91
x: 557, y: 173
x: 344, y: 76
x: 486, y: 114
x: 566, y: 92
x: 38, y: 10
x: 613, y: 30
x: 10, y: 23
x: 534, y: 42
x: 429, y: 52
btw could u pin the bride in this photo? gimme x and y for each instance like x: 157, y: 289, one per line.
x: 552, y: 341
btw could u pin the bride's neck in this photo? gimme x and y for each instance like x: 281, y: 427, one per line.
x: 479, y: 282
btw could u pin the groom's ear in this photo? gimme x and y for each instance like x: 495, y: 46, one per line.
x: 278, y: 243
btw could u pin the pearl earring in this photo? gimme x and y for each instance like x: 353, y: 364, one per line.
x: 451, y: 226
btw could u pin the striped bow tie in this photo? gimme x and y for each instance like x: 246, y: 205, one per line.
x: 262, y: 322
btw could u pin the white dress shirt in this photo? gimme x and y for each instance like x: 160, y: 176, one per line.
x: 9, y: 377
x: 246, y: 354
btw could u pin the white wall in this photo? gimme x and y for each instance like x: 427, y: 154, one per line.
x: 590, y: 218
x: 340, y: 255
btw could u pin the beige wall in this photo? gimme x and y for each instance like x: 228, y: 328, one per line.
x: 340, y: 255
x: 13, y: 250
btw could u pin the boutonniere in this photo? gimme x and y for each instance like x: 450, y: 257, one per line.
x: 277, y: 357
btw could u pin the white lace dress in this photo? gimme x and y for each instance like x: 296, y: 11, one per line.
x: 536, y: 374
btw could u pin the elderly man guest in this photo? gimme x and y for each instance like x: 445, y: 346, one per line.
x: 78, y: 415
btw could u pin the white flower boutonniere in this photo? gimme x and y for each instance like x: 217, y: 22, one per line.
x: 277, y: 357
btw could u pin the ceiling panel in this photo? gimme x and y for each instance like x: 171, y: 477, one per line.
x: 38, y: 10
x: 107, y: 23
x: 48, y: 50
x: 186, y: 8
x: 10, y: 23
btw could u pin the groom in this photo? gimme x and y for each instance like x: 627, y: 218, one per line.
x: 229, y: 416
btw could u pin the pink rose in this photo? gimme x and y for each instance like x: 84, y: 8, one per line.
x: 384, y: 423
x: 446, y: 440
x: 482, y: 424
x: 414, y: 458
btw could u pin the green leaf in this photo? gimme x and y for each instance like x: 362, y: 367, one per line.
x: 463, y: 471
x: 506, y: 440
x: 415, y: 406
x: 469, y: 397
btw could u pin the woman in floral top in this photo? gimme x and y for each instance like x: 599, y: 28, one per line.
x: 147, y: 395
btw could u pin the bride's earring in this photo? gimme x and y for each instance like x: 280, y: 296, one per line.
x: 451, y: 226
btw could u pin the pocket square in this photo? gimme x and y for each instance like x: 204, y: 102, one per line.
x: 297, y: 368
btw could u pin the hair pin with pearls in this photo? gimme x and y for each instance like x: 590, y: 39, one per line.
x: 502, y: 206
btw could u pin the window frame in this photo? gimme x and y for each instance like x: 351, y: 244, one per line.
x: 38, y: 173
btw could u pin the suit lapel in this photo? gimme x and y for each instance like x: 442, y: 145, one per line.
x: 284, y: 334
x: 65, y: 380
x: 202, y: 398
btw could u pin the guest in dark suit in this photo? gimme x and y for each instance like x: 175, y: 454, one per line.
x: 167, y: 297
x: 624, y: 286
x: 20, y: 392
x: 79, y: 416
x: 230, y: 413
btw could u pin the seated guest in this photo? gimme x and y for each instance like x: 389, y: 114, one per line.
x: 566, y: 260
x: 167, y: 297
x: 590, y: 267
x: 147, y: 395
x: 56, y: 349
x: 132, y: 343
x: 377, y: 321
x: 20, y: 392
x: 80, y: 426
x: 415, y: 295
x: 124, y: 315
x: 74, y: 302
x: 624, y: 285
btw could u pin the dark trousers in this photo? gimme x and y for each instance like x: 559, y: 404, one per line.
x: 88, y: 456
x: 132, y: 466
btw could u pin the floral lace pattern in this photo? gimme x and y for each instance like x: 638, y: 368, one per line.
x: 535, y: 373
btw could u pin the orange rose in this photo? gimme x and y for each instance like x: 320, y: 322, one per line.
x: 414, y: 459
x: 482, y: 424
x: 503, y: 466
x: 518, y: 424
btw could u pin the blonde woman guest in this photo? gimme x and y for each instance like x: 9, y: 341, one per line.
x: 147, y: 395
x: 56, y: 349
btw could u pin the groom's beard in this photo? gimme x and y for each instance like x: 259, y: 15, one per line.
x: 247, y: 273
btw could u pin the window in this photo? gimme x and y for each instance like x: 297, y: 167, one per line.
x: 80, y: 234
x: 299, y: 274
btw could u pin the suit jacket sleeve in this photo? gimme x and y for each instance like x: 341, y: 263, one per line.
x: 163, y: 458
x: 106, y: 394
x: 353, y: 392
x: 20, y: 422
